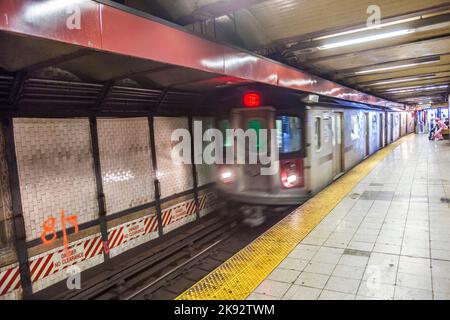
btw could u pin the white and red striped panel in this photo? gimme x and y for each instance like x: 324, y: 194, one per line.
x: 46, y: 265
x: 209, y: 202
x: 178, y: 215
x: 9, y: 279
x: 178, y: 212
x: 184, y: 212
x: 136, y: 232
x: 132, y: 234
x: 49, y: 267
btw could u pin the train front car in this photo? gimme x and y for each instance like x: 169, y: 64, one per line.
x: 266, y: 147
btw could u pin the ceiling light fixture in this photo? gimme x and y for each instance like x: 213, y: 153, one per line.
x: 374, y: 37
x: 401, y: 80
x: 396, y: 67
x: 417, y: 89
x: 382, y: 25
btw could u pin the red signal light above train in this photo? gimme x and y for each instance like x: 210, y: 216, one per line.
x: 252, y: 99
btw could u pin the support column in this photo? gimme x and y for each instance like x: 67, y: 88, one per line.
x: 99, y: 183
x: 20, y: 238
x: 194, y: 168
x: 155, y: 175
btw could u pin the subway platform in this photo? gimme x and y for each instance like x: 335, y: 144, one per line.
x: 381, y: 231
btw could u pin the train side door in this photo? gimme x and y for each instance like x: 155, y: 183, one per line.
x: 367, y: 135
x: 380, y: 129
x: 392, y: 128
x: 337, y: 143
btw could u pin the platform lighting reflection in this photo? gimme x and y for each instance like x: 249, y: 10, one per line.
x: 43, y: 8
x: 395, y: 67
x: 224, y: 18
x: 347, y: 95
x: 297, y: 82
x: 330, y: 92
x: 118, y: 176
x: 230, y: 62
x: 374, y: 37
x: 159, y: 174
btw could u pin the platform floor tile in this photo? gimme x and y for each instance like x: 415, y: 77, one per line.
x: 392, y: 240
x: 385, y: 239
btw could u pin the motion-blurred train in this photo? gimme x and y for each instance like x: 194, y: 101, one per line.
x: 318, y: 140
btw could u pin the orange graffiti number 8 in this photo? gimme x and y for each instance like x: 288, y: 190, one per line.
x: 49, y: 228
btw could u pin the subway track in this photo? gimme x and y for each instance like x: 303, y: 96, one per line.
x: 183, y: 276
x: 173, y: 265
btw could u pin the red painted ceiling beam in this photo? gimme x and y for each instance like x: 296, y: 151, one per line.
x: 107, y: 28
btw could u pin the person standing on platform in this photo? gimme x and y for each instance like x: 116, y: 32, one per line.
x: 440, y: 126
x: 420, y: 126
x: 432, y: 129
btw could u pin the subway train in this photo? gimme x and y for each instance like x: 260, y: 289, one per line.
x: 318, y: 140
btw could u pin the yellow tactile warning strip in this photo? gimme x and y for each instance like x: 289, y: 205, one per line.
x: 237, y: 277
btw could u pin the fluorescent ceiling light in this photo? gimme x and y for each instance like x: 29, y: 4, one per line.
x: 366, y: 39
x: 401, y: 80
x: 417, y: 89
x: 387, y: 68
x: 367, y: 28
x: 395, y: 67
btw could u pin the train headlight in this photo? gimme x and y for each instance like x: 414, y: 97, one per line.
x: 291, y: 179
x: 292, y: 173
x: 226, y: 176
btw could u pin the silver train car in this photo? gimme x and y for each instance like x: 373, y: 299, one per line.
x: 317, y: 142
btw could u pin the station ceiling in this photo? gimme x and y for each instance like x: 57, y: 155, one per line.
x: 405, y: 59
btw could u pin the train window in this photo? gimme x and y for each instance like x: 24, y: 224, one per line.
x: 223, y: 126
x: 318, y: 132
x: 255, y: 124
x: 288, y: 134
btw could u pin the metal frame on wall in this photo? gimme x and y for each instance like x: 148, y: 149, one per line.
x: 99, y: 184
x: 157, y: 185
x: 194, y: 169
x: 17, y: 210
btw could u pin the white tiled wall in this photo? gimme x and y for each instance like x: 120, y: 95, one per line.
x: 5, y: 196
x: 205, y: 173
x: 174, y: 178
x: 55, y: 163
x: 125, y: 158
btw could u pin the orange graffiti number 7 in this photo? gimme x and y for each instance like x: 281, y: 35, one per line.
x: 49, y: 228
